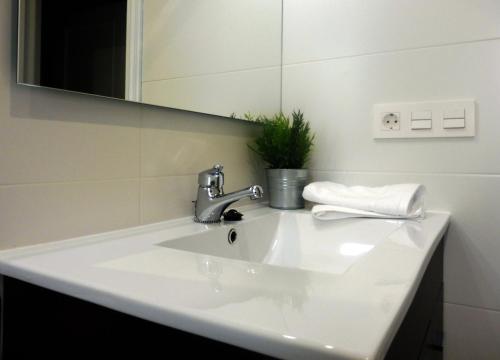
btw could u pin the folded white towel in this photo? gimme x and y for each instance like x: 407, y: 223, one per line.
x: 340, y: 201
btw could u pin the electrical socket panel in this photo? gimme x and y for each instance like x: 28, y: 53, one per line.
x: 455, y: 118
x: 390, y: 122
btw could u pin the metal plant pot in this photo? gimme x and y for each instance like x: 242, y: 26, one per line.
x: 285, y: 188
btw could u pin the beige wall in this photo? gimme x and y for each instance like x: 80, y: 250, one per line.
x: 358, y: 53
x: 72, y: 165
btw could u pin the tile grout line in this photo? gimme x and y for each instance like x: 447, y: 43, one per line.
x: 149, y: 177
x: 270, y: 67
x: 92, y: 181
x: 387, y: 52
x: 472, y: 307
x: 368, y: 172
x: 70, y: 182
x: 168, y: 176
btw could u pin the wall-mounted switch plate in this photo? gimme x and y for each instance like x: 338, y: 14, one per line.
x: 425, y: 119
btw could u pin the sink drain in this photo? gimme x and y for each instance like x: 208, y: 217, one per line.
x: 232, y: 236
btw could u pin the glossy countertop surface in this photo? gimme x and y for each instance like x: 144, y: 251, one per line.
x: 351, y: 312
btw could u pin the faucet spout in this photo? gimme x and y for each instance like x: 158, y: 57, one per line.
x: 211, y: 200
x: 253, y: 192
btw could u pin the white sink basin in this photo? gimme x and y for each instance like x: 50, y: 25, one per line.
x: 290, y: 239
x: 290, y: 286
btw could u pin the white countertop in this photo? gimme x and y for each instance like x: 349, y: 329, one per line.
x: 279, y: 311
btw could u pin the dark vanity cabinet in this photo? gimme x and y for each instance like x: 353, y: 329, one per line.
x: 42, y: 324
x: 420, y: 336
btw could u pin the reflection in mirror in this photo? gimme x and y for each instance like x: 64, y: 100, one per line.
x: 74, y: 45
x: 220, y: 57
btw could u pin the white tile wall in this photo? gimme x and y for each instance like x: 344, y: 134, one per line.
x: 178, y: 148
x: 342, y: 57
x: 338, y: 96
x: 38, y: 213
x: 219, y: 57
x: 48, y: 137
x: 341, y: 28
x: 183, y: 38
x: 474, y: 333
x: 165, y: 197
x: 257, y: 91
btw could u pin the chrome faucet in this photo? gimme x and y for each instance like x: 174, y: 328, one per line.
x: 211, y: 200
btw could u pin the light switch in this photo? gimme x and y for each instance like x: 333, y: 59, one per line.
x: 426, y: 119
x: 454, y: 123
x: 454, y: 113
x: 421, y: 115
x: 421, y: 124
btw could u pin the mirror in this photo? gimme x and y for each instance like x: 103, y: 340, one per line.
x: 220, y: 57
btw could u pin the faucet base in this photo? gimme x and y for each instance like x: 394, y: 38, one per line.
x: 196, y: 220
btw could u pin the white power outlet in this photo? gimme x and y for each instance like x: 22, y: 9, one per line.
x: 390, y: 121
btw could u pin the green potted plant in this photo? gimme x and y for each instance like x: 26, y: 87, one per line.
x: 285, y: 146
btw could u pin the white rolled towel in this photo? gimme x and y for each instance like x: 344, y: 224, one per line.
x: 404, y: 201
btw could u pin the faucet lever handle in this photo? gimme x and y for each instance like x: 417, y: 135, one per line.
x: 212, y: 178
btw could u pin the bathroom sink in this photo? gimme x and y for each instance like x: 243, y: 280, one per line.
x: 290, y: 239
x: 285, y: 285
